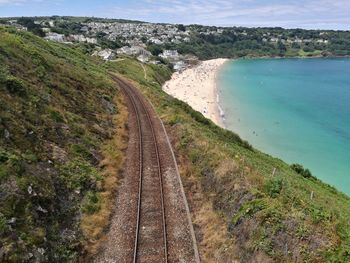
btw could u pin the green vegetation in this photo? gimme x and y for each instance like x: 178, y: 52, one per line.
x: 257, y: 42
x: 302, y: 171
x: 208, y: 42
x: 246, y: 205
x: 31, y: 26
x: 60, y: 144
x: 56, y: 114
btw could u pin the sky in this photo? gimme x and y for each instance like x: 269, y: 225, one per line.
x: 309, y: 14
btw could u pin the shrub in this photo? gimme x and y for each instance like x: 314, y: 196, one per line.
x: 3, y: 156
x: 248, y: 209
x: 318, y: 214
x: 2, y: 223
x: 91, y: 203
x: 302, y: 171
x: 15, y: 86
x: 81, y: 150
x: 273, y: 187
x: 342, y: 231
x: 10, y: 164
x: 56, y: 116
x: 79, y: 174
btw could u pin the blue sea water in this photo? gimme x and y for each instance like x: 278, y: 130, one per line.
x: 294, y: 109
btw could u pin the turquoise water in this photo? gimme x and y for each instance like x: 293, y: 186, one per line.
x: 294, y: 109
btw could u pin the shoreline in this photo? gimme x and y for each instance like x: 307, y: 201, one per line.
x: 197, y: 86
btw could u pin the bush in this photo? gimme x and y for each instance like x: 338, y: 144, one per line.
x: 79, y: 175
x: 56, y: 116
x: 80, y: 150
x: 91, y: 203
x: 342, y: 231
x: 318, y: 214
x: 248, y: 209
x: 155, y: 49
x: 3, y: 156
x: 15, y: 86
x: 2, y: 223
x: 273, y: 187
x: 302, y: 171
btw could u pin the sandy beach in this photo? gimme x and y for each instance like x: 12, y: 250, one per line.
x: 197, y: 87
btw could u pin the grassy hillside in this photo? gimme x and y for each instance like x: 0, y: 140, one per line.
x: 62, y: 131
x: 60, y: 141
x: 242, y: 210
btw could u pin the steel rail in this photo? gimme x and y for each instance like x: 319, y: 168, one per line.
x: 132, y: 95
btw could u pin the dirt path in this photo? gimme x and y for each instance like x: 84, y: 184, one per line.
x: 138, y: 231
x: 144, y: 71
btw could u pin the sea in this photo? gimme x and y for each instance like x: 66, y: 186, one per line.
x: 295, y: 109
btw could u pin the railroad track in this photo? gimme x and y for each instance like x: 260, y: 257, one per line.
x: 150, y: 244
x: 152, y: 220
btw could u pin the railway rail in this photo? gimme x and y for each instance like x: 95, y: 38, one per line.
x: 150, y: 203
x: 152, y: 221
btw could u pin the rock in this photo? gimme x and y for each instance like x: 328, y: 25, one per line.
x: 108, y: 106
x: 41, y: 251
x: 40, y: 209
x: 59, y: 154
x: 7, y: 134
x: 9, y: 188
x: 96, y: 157
x: 30, y: 189
x: 64, y: 128
x: 12, y: 221
x: 2, y: 254
x: 68, y: 235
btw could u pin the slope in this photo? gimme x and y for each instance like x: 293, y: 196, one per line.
x: 61, y: 136
x: 246, y: 205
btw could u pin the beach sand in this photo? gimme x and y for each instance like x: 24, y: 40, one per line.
x: 197, y: 87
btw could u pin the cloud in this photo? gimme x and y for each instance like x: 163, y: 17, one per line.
x: 324, y: 14
x: 3, y: 2
x: 17, y: 2
x: 288, y: 13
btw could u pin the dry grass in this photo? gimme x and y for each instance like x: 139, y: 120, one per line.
x: 94, y: 225
x: 227, y: 166
x: 215, y: 244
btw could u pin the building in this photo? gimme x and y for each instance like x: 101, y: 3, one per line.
x: 55, y: 37
x: 143, y: 58
x: 106, y: 54
x: 133, y: 51
x: 170, y: 54
x: 180, y: 65
x: 82, y: 38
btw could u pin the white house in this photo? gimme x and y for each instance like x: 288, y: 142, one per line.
x: 143, y: 58
x: 133, y: 51
x: 55, y: 37
x: 170, y: 54
x: 106, y: 54
x: 180, y: 65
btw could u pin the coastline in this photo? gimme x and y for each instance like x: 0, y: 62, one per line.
x: 197, y: 86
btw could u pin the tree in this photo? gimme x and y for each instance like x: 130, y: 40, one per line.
x: 155, y: 49
x: 31, y: 26
x: 181, y: 27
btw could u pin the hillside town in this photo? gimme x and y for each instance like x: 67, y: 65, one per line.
x: 134, y: 37
x: 125, y: 38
